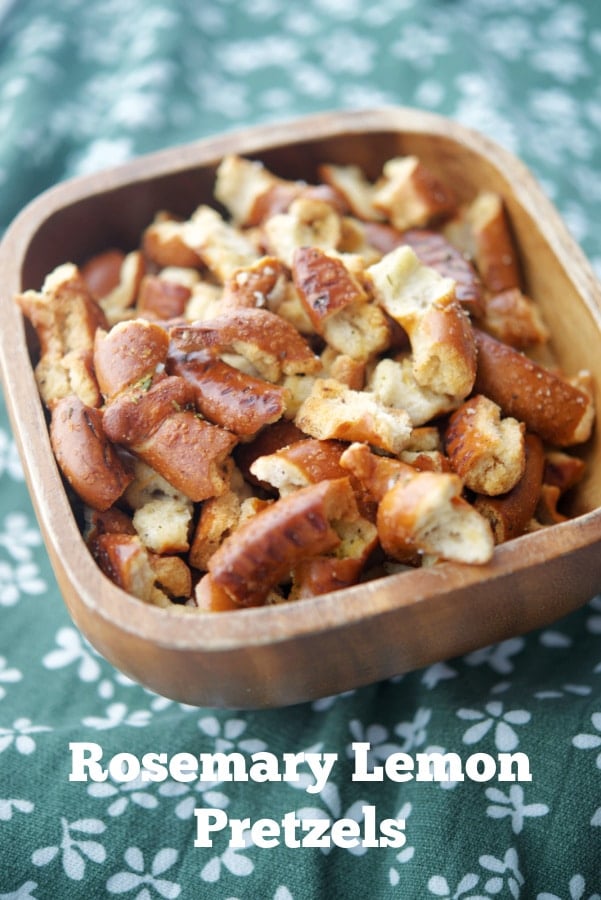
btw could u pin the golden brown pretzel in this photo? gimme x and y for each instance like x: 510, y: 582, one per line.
x: 485, y: 450
x: 427, y: 514
x: 324, y: 284
x: 85, y: 455
x: 548, y: 404
x: 227, y: 397
x: 510, y: 514
x: 269, y: 342
x: 130, y: 353
x: 269, y: 546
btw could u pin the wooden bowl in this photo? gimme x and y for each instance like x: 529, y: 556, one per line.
x: 279, y: 655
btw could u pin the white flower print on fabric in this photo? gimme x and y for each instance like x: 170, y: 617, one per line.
x: 414, y: 733
x: 74, y: 851
x: 436, y: 673
x: 151, y: 882
x: 377, y: 737
x: 8, y: 676
x: 555, y: 639
x: 71, y: 649
x: 591, y: 742
x: 101, y: 154
x: 7, y: 807
x: 10, y: 461
x: 497, y: 656
x: 121, y: 795
x: 22, y: 893
x: 18, y: 538
x: 577, y: 889
x: 512, y: 805
x: 190, y: 794
x: 158, y: 703
x: 118, y: 714
x: 347, y: 51
x: 505, y: 871
x: 506, y: 739
x: 331, y: 810
x: 282, y: 893
x: 593, y: 623
x: 231, y: 859
x: 226, y: 737
x: 406, y: 854
x: 577, y: 690
x: 441, y: 751
x: 505, y: 874
x: 323, y: 704
x: 439, y: 886
x: 20, y: 736
x: 23, y: 578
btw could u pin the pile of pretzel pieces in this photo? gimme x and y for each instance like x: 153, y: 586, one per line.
x: 305, y: 386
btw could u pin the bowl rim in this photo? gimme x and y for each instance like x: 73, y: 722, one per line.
x: 272, y: 624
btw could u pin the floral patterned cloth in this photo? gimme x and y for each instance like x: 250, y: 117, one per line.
x: 84, y: 85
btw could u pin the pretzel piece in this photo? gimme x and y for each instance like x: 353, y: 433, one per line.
x: 394, y: 383
x: 334, y: 411
x: 324, y: 284
x: 162, y: 298
x: 227, y: 397
x: 409, y: 194
x: 239, y: 184
x: 514, y: 319
x: 350, y: 182
x: 164, y: 243
x: 434, y: 250
x: 309, y: 222
x: 154, y: 424
x: 85, y: 455
x: 172, y: 575
x: 486, y: 451
x: 125, y: 560
x: 130, y: 353
x: 252, y: 194
x: 548, y: 404
x: 220, y: 246
x: 424, y: 304
x: 262, y: 284
x: 65, y: 317
x: 375, y: 473
x: 300, y: 464
x: 261, y: 553
x: 482, y: 231
x: 426, y: 514
x: 267, y: 341
x: 102, y: 272
x: 360, y: 330
x: 117, y: 303
x: 510, y: 514
x: 323, y: 574
x: 218, y: 517
x: 563, y: 470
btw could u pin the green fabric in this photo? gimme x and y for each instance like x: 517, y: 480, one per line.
x: 85, y: 85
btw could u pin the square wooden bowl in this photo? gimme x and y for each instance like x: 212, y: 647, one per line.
x: 279, y: 655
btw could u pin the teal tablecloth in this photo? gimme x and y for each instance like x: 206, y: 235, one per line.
x: 85, y: 85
